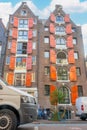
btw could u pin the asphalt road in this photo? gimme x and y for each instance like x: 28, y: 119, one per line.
x: 62, y: 125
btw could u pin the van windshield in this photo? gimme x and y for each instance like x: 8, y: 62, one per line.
x: 4, y: 81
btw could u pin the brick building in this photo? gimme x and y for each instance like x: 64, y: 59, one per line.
x: 46, y: 54
x: 2, y: 46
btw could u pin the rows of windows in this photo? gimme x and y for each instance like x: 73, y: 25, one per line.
x: 62, y: 73
x: 21, y: 61
x: 65, y: 91
x: 20, y: 79
x: 61, y: 56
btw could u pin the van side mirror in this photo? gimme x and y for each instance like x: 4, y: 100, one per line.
x: 0, y: 86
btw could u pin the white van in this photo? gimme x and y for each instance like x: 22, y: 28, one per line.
x: 16, y: 107
x: 81, y: 107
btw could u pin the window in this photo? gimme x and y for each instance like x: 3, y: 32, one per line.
x: 61, y: 58
x: 11, y: 20
x: 65, y: 91
x: 47, y: 70
x: 46, y: 40
x: 46, y: 90
x: 23, y: 34
x: 73, y: 29
x: 76, y: 56
x: 0, y: 49
x: 19, y: 79
x: 22, y: 48
x: 59, y: 19
x: 20, y: 62
x: 80, y: 91
x: 35, y: 21
x: 10, y: 32
x: 7, y: 60
x: 34, y: 45
x: 34, y: 33
x: 74, y: 41
x: 60, y: 30
x: 33, y: 60
x: 33, y: 77
x: 23, y: 12
x: 60, y: 41
x: 9, y: 45
x: 46, y: 54
x: 62, y: 74
x: 78, y: 71
x: 23, y: 23
x: 46, y: 28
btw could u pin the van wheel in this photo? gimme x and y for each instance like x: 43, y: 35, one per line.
x: 83, y: 118
x: 8, y: 120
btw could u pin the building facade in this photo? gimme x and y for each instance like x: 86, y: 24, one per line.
x: 2, y: 46
x: 43, y: 55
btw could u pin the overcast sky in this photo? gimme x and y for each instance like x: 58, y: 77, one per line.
x: 42, y: 8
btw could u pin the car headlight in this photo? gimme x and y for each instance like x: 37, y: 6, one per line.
x: 25, y: 99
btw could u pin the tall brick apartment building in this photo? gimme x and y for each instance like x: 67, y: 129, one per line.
x: 45, y: 54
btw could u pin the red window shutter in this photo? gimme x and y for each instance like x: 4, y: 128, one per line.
x: 15, y: 22
x: 52, y: 56
x: 52, y: 88
x: 52, y: 41
x: 73, y: 76
x: 30, y: 34
x: 69, y: 42
x: 13, y: 47
x: 28, y: 79
x: 12, y: 63
x: 29, y: 62
x: 67, y: 18
x: 53, y: 75
x: 14, y: 33
x: 31, y: 23
x: 10, y: 78
x: 71, y: 56
x: 29, y: 47
x: 68, y: 29
x: 74, y: 94
x: 52, y: 28
x: 52, y: 17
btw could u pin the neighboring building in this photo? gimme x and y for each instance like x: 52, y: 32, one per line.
x: 21, y: 53
x: 61, y: 60
x: 42, y: 55
x: 2, y: 46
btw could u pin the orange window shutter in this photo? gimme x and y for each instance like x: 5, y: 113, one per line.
x: 29, y: 47
x: 10, y: 78
x: 52, y: 28
x: 13, y: 47
x: 52, y: 17
x: 68, y: 29
x: 67, y: 18
x: 52, y: 88
x: 15, y: 22
x: 53, y: 75
x: 29, y: 63
x: 14, y: 33
x: 12, y: 63
x: 28, y: 79
x: 69, y: 42
x: 52, y: 56
x: 74, y: 94
x: 30, y: 34
x: 31, y: 23
x: 52, y: 41
x: 73, y: 75
x: 71, y: 56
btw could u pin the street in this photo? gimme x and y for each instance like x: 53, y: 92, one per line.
x: 63, y: 125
